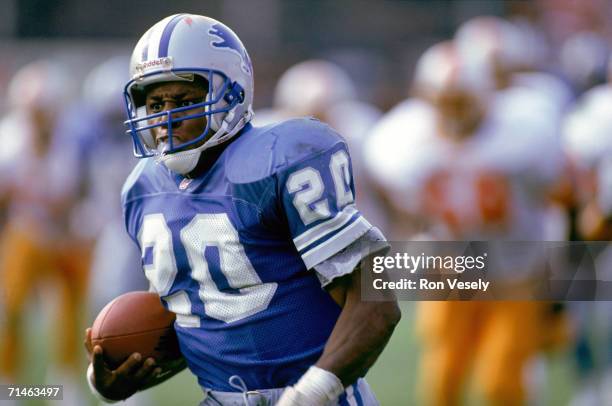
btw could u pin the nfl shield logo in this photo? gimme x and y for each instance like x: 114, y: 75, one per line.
x: 184, y: 183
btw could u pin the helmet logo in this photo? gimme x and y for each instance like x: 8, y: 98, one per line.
x: 227, y: 40
x: 164, y: 63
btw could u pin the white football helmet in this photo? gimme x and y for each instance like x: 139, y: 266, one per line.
x: 584, y: 59
x: 178, y: 48
x: 460, y: 92
x: 43, y: 85
x: 495, y: 43
x: 442, y: 68
x: 310, y: 87
x: 103, y: 86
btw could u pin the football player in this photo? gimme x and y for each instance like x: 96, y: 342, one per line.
x: 587, y: 139
x: 108, y: 162
x: 484, y: 174
x: 515, y: 58
x: 42, y: 185
x: 107, y: 155
x: 250, y: 235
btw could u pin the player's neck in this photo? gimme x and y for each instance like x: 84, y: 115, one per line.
x: 209, y: 157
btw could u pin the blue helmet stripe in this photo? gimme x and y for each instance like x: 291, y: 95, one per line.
x: 145, y: 49
x: 165, y: 38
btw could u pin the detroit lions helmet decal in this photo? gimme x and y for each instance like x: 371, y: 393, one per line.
x: 227, y: 40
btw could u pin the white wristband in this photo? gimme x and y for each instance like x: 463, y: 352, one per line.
x: 319, y: 386
x: 90, y: 382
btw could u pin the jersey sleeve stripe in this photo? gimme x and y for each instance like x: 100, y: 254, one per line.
x: 321, y: 230
x: 350, y: 396
x: 357, y: 395
x: 338, y: 242
x: 153, y: 43
x: 331, y: 234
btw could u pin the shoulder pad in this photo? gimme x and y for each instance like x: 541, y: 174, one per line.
x: 137, y: 182
x: 263, y: 151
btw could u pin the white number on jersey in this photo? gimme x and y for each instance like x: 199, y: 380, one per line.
x: 339, y: 167
x: 307, y: 196
x: 308, y: 187
x: 156, y: 234
x: 216, y: 230
x: 205, y: 230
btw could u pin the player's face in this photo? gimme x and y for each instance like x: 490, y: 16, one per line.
x: 172, y: 95
x: 460, y: 113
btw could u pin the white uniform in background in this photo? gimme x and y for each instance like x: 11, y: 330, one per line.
x: 396, y: 157
x: 495, y: 185
x: 587, y: 140
x: 38, y: 250
x: 491, y: 159
x: 115, y: 261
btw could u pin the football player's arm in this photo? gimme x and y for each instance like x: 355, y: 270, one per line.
x: 316, y: 195
x: 359, y: 336
x: 135, y: 374
x: 361, y: 332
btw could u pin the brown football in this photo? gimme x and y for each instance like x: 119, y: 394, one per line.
x: 136, y: 322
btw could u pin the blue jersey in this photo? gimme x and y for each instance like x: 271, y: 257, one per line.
x: 231, y: 252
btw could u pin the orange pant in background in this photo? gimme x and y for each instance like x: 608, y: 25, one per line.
x: 492, y: 339
x: 27, y: 264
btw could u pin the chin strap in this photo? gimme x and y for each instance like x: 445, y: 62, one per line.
x: 185, y: 161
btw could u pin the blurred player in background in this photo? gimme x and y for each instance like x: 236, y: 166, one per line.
x: 41, y: 184
x: 108, y: 159
x: 489, y: 181
x: 394, y: 153
x: 587, y: 140
x: 578, y: 33
x: 116, y: 266
x: 249, y: 234
x: 476, y: 172
x: 498, y: 165
x: 516, y: 59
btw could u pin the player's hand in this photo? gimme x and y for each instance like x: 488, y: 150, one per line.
x: 127, y: 379
x: 87, y: 343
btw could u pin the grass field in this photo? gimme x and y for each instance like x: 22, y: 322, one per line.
x: 393, y: 377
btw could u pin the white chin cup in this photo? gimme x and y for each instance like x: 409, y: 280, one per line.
x: 185, y: 161
x: 182, y: 162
